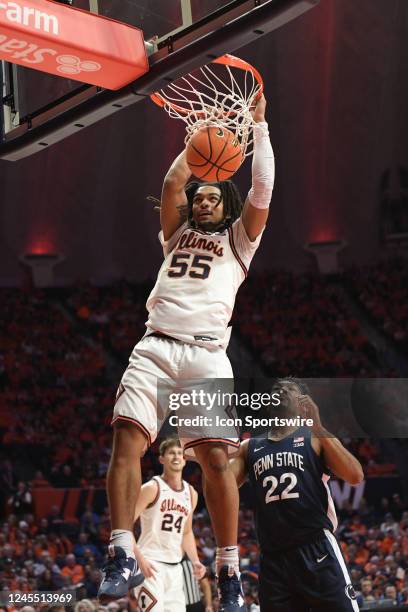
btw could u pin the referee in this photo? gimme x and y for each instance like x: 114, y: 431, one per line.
x: 194, y: 600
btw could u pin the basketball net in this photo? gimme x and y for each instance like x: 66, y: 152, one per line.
x: 221, y: 94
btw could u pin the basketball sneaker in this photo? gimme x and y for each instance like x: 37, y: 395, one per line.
x: 230, y: 592
x: 119, y: 575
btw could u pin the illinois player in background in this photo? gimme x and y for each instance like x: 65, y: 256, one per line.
x: 206, y: 258
x: 165, y: 507
x: 301, y: 568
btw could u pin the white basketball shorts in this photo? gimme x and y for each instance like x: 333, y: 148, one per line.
x: 164, y: 592
x: 161, y: 374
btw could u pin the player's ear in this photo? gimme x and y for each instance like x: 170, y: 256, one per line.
x: 161, y: 459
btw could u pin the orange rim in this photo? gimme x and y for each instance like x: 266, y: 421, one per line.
x: 226, y: 60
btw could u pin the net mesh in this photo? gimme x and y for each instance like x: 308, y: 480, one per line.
x: 215, y: 95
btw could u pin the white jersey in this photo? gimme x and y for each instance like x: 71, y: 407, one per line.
x: 196, y: 287
x: 162, y: 523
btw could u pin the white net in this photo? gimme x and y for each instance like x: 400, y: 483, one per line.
x: 215, y: 95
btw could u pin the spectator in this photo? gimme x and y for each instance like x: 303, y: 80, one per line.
x: 55, y: 522
x: 92, y: 583
x: 82, y: 546
x: 47, y: 581
x: 366, y: 596
x: 390, y: 526
x: 90, y: 522
x: 85, y: 605
x: 391, y: 594
x: 21, y: 502
x: 73, y: 569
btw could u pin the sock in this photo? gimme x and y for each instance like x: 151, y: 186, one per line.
x: 124, y: 539
x: 227, y: 556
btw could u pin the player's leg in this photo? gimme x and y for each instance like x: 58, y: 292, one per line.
x: 123, y: 483
x: 222, y: 500
x: 221, y: 494
x: 275, y: 587
x: 124, y: 480
x: 213, y: 368
x: 323, y: 576
x: 135, y: 427
x: 150, y: 595
x: 174, y: 597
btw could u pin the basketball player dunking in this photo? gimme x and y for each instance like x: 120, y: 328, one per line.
x: 206, y: 260
x: 302, y: 568
x: 165, y: 506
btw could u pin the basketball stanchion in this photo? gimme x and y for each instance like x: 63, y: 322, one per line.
x: 228, y: 27
x: 71, y: 43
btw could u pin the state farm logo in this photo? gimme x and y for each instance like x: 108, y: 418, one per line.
x: 29, y: 53
x: 71, y: 64
x: 31, y: 18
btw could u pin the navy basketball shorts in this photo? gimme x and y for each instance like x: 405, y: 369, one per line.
x: 310, y: 578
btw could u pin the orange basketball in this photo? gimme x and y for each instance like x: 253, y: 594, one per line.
x: 213, y: 154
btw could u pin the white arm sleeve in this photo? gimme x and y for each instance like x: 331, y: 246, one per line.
x: 263, y: 168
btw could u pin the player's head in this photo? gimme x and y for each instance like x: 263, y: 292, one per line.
x: 171, y: 456
x: 289, y: 390
x: 212, y: 206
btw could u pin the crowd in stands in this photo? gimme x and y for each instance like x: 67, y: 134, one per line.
x: 48, y: 554
x: 382, y: 289
x: 114, y: 315
x: 56, y: 396
x: 55, y: 400
x: 300, y: 324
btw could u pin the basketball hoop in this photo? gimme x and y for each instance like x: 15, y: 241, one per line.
x: 219, y: 94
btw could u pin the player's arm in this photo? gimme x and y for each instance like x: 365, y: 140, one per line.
x: 174, y: 200
x: 337, y: 458
x: 238, y: 464
x: 207, y: 595
x: 189, y: 544
x: 147, y: 496
x: 256, y: 208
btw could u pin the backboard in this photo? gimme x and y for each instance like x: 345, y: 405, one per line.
x: 180, y: 35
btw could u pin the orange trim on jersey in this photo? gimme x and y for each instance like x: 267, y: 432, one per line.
x: 190, y: 488
x: 200, y: 441
x: 169, y: 485
x: 235, y: 252
x: 135, y: 422
x: 157, y: 494
x: 143, y: 590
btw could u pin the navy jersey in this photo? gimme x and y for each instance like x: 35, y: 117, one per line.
x: 292, y: 497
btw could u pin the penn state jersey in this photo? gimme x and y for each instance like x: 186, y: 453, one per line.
x: 162, y: 523
x: 293, y: 500
x: 195, y: 291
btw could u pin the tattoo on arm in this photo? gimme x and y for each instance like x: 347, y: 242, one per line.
x: 182, y: 208
x: 183, y: 211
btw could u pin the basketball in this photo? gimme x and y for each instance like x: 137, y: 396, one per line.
x: 214, y: 154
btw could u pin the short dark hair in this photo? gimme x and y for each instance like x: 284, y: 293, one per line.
x: 231, y: 198
x: 168, y: 443
x: 292, y: 380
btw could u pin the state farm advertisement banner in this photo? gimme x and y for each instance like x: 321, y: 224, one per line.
x: 71, y: 43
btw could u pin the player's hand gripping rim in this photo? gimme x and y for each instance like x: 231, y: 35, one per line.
x: 258, y: 110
